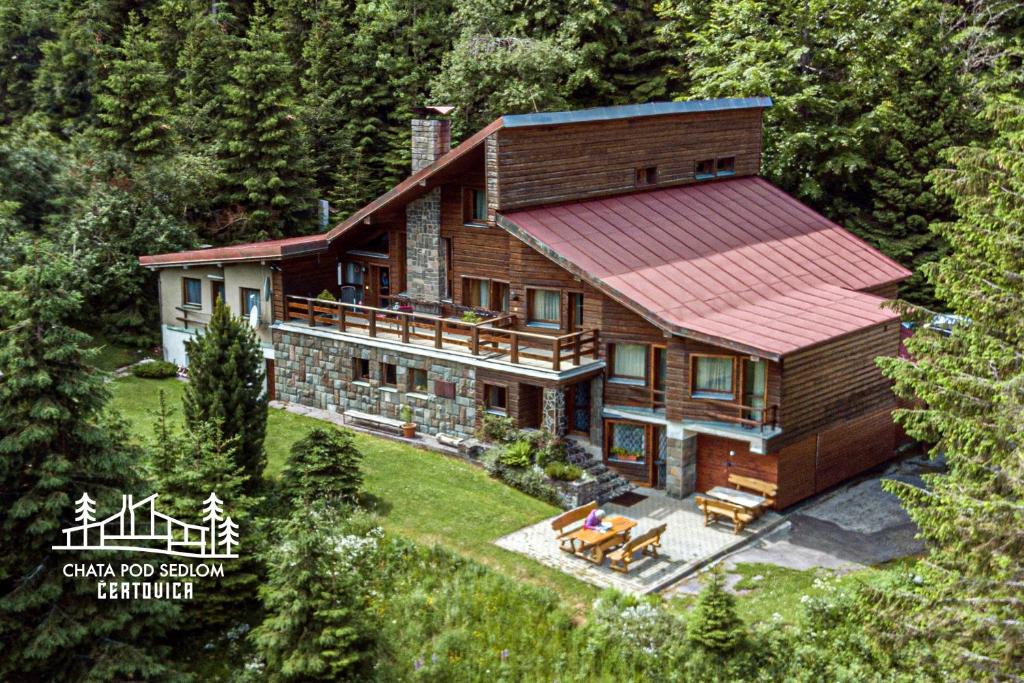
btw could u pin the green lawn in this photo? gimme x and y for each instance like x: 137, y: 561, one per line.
x: 424, y: 496
x: 111, y: 356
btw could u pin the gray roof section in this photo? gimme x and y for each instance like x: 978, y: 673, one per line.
x: 629, y: 111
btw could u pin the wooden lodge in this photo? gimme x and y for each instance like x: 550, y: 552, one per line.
x: 620, y: 275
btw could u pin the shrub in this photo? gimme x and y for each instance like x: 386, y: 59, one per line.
x: 406, y: 414
x: 326, y: 296
x: 497, y: 429
x: 714, y: 624
x: 518, y: 454
x: 324, y: 465
x: 529, y: 480
x: 157, y: 369
x: 563, y: 471
x: 471, y: 317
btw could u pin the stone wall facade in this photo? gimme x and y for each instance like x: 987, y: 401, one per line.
x: 424, y: 255
x: 681, y: 466
x: 319, y: 372
x: 553, y: 419
x: 431, y: 138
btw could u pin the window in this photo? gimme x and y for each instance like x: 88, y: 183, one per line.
x: 575, y: 311
x: 500, y: 296
x: 388, y: 374
x: 353, y: 273
x: 725, y: 166
x: 217, y: 290
x: 754, y: 387
x: 659, y: 369
x: 360, y: 370
x: 627, y: 443
x: 418, y: 380
x: 711, y: 377
x: 474, y: 206
x: 249, y: 298
x: 705, y: 168
x: 446, y: 252
x: 629, y: 363
x: 191, y: 292
x: 544, y: 307
x: 496, y: 399
x: 646, y: 176
x: 476, y: 292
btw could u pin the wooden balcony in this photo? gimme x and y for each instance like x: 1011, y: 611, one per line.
x: 492, y: 339
x: 737, y: 413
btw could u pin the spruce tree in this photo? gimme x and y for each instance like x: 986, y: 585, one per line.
x: 713, y: 623
x: 264, y: 146
x: 967, y: 393
x: 204, y: 64
x: 56, y: 444
x: 324, y: 465
x: 189, y: 468
x: 317, y: 626
x: 226, y: 387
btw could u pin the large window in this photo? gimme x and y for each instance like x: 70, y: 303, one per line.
x: 627, y: 442
x: 712, y: 377
x: 480, y: 293
x: 544, y: 307
x: 496, y: 399
x: 629, y: 363
x: 250, y: 298
x: 192, y: 292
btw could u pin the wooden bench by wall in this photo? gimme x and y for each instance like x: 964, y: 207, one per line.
x: 380, y: 422
x: 763, y: 488
x: 713, y: 509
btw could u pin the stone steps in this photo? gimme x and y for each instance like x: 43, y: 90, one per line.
x: 609, y: 484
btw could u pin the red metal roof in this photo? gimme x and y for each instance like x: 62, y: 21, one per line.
x: 734, y: 261
x: 253, y: 251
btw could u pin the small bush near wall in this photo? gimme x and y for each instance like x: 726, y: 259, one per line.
x: 157, y: 369
x: 529, y: 480
x: 497, y: 429
x: 563, y: 471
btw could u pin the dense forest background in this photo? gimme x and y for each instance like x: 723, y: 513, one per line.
x: 132, y: 127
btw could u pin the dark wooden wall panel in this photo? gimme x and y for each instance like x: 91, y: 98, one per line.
x: 714, y: 465
x: 796, y: 471
x: 542, y: 165
x: 889, y: 291
x: 854, y: 446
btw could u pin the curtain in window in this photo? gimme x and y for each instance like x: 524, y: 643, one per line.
x: 479, y: 205
x: 501, y: 296
x: 630, y: 361
x: 477, y: 293
x: 252, y: 299
x: 193, y: 291
x: 754, y: 378
x: 714, y: 375
x: 546, y: 305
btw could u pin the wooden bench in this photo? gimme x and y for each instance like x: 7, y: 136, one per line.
x: 713, y: 509
x: 568, y: 523
x: 647, y: 543
x: 371, y: 421
x: 763, y: 488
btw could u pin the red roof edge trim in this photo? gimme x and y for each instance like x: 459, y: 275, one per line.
x: 252, y: 251
x: 597, y: 283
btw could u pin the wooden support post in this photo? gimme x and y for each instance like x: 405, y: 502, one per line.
x: 371, y: 320
x: 310, y: 313
x: 597, y: 345
x: 405, y: 329
x: 438, y: 334
x: 341, y: 318
x: 556, y: 354
x: 474, y: 343
x: 514, y: 355
x: 577, y: 342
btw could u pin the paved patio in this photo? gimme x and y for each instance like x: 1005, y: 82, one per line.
x: 686, y: 545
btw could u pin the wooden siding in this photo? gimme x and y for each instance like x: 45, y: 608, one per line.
x: 524, y: 405
x: 543, y: 164
x: 836, y: 381
x: 309, y: 275
x: 889, y: 291
x: 714, y: 464
x: 796, y: 471
x: 854, y: 446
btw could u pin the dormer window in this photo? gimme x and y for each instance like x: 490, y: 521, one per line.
x: 646, y: 176
x: 705, y: 169
x: 725, y: 166
x: 474, y: 206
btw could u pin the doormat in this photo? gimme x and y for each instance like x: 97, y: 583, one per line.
x: 627, y: 499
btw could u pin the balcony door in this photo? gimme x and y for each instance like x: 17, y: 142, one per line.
x: 578, y: 400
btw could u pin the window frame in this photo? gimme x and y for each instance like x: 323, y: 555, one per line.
x: 217, y: 287
x: 628, y: 379
x: 469, y: 206
x: 185, y: 303
x: 645, y: 176
x: 241, y: 301
x: 555, y: 324
x: 410, y: 381
x: 704, y: 175
x: 384, y: 372
x: 610, y: 425
x: 483, y: 285
x: 743, y: 388
x: 502, y: 389
x: 731, y: 170
x: 574, y: 311
x: 699, y: 395
x: 360, y: 369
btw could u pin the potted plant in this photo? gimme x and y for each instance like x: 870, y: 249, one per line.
x: 409, y: 427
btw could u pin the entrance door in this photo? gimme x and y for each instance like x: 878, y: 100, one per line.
x: 578, y: 400
x: 379, y: 287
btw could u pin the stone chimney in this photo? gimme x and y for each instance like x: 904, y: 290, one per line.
x: 426, y: 270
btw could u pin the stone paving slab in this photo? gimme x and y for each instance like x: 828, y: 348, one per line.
x: 686, y: 545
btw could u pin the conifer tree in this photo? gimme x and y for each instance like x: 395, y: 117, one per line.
x: 713, y: 623
x: 197, y: 470
x: 204, y: 64
x: 226, y: 388
x: 967, y: 390
x: 317, y: 626
x: 55, y: 444
x: 324, y: 465
x: 264, y: 145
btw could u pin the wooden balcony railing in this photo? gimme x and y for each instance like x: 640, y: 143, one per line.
x: 193, y: 316
x: 769, y: 415
x: 492, y: 336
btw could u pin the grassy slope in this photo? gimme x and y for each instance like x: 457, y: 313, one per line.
x: 421, y: 495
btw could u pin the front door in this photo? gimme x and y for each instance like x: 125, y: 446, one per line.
x: 378, y: 290
x: 578, y: 400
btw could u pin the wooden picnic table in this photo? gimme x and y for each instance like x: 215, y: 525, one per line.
x: 594, y: 544
x: 742, y: 498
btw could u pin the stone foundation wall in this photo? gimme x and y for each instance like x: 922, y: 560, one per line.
x: 318, y: 372
x: 681, y: 466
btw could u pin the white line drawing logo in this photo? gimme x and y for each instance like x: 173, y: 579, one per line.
x: 139, y: 526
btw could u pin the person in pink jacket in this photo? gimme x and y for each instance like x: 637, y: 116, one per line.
x: 594, y: 520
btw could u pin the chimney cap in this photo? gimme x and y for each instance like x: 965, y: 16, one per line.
x: 432, y: 109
